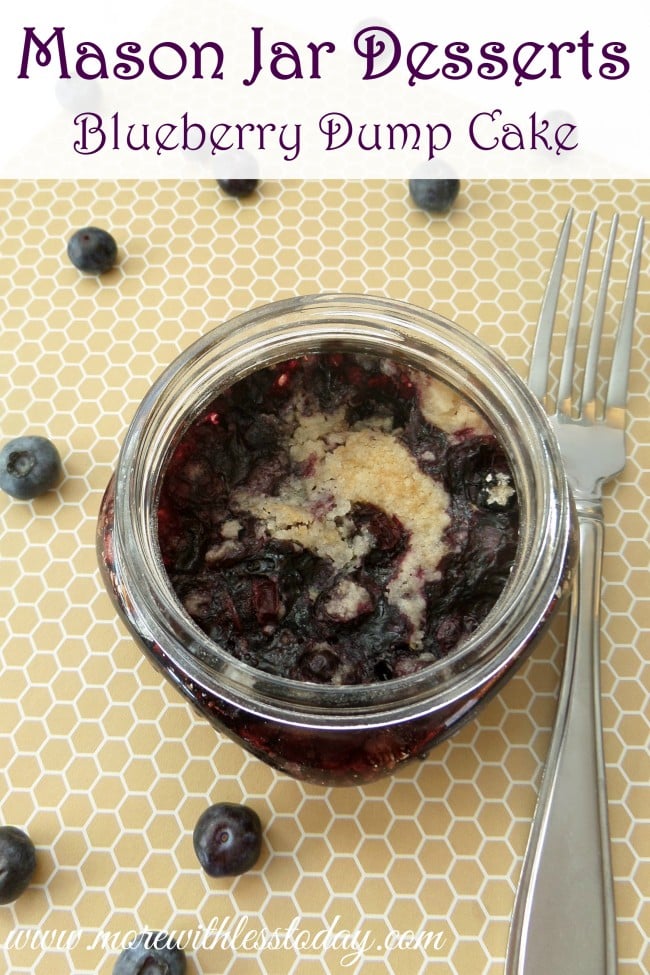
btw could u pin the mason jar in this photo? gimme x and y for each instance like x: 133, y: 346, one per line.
x: 325, y: 733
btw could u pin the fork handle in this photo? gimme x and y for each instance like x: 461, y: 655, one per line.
x: 564, y: 920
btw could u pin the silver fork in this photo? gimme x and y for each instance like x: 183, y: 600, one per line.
x: 564, y: 919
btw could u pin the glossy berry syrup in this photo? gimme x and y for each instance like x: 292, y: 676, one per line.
x: 338, y: 519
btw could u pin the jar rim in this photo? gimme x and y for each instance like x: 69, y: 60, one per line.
x: 423, y: 339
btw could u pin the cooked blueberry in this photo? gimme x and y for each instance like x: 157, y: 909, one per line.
x: 29, y: 466
x: 448, y: 632
x: 151, y: 953
x: 434, y: 195
x: 17, y: 863
x: 267, y: 473
x: 228, y: 839
x: 266, y: 601
x: 238, y: 187
x: 318, y: 664
x: 262, y: 432
x: 92, y: 249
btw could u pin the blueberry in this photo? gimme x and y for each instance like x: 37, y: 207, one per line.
x: 238, y: 187
x: 434, y: 195
x: 29, y: 466
x: 92, y: 249
x: 318, y: 664
x: 17, y: 863
x: 151, y: 953
x: 227, y: 839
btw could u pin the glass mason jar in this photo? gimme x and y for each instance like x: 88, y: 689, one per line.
x: 324, y: 733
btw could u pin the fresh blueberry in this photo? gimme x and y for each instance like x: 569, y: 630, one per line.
x: 227, y: 839
x: 238, y: 187
x: 151, y: 953
x: 434, y: 195
x: 17, y: 863
x: 92, y: 249
x: 29, y: 466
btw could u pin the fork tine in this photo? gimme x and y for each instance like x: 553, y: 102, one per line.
x: 564, y: 396
x: 620, y: 368
x: 587, y: 405
x: 538, y: 373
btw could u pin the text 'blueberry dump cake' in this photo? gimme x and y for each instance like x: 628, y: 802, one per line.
x: 338, y: 518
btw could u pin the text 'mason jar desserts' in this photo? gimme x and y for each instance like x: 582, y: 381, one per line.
x: 336, y: 525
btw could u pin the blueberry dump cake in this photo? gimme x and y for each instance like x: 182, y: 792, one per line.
x: 338, y: 518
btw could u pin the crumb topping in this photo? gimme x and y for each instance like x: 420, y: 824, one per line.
x: 446, y: 409
x: 364, y: 465
x: 500, y: 490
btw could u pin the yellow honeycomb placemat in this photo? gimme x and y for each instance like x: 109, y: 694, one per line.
x: 100, y: 761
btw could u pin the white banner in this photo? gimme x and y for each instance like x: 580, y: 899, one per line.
x: 350, y: 90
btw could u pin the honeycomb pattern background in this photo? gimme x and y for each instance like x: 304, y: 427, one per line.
x: 105, y: 766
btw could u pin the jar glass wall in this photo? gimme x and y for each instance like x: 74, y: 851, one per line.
x: 326, y: 733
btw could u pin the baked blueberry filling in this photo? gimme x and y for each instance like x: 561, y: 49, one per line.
x: 338, y: 518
